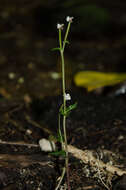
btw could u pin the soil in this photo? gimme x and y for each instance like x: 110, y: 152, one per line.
x: 30, y: 88
x: 97, y: 124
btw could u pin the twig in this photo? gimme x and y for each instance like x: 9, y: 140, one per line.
x: 19, y: 144
x: 86, y: 156
x: 61, y: 179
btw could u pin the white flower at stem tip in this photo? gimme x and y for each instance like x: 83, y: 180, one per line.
x: 67, y: 97
x: 60, y: 26
x: 69, y: 19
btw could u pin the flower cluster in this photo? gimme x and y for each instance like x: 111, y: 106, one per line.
x: 68, y: 19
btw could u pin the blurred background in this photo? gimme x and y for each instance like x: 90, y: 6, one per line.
x: 28, y: 67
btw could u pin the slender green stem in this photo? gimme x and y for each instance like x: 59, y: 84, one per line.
x: 64, y: 116
x: 64, y: 105
x: 60, y: 133
x: 66, y: 35
x: 61, y: 179
x: 62, y: 46
x: 60, y: 39
x: 63, y: 88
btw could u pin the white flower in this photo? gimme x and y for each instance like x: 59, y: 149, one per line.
x: 67, y: 97
x: 60, y: 26
x: 69, y: 19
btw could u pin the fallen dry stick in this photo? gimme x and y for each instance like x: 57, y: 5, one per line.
x: 86, y: 156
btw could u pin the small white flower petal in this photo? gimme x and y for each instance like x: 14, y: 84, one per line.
x: 46, y: 145
x: 60, y: 26
x: 67, y: 97
x: 69, y: 19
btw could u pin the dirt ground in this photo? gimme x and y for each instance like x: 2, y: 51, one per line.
x: 30, y: 88
x: 97, y: 124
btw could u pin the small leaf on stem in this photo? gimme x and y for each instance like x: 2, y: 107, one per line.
x: 58, y: 153
x: 67, y: 42
x: 55, y: 49
x: 68, y: 109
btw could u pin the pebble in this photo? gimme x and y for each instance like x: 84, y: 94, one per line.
x: 46, y: 145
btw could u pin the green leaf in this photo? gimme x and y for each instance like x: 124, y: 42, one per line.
x: 61, y: 108
x: 71, y: 107
x: 55, y: 49
x: 61, y: 111
x: 58, y: 153
x: 60, y: 137
x: 68, y: 109
x: 67, y: 42
x: 53, y: 138
x: 92, y: 79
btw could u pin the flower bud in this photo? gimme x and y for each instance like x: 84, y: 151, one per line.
x: 67, y: 97
x: 60, y: 26
x: 69, y: 19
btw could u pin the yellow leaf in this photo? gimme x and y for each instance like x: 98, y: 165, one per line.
x: 93, y: 79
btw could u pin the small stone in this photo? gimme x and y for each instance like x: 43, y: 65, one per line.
x: 27, y: 99
x: 55, y: 75
x: 21, y: 80
x: 28, y: 131
x: 46, y: 145
x: 11, y: 75
x: 121, y: 137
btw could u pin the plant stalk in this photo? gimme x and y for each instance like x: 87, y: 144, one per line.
x: 64, y: 102
x: 64, y: 119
